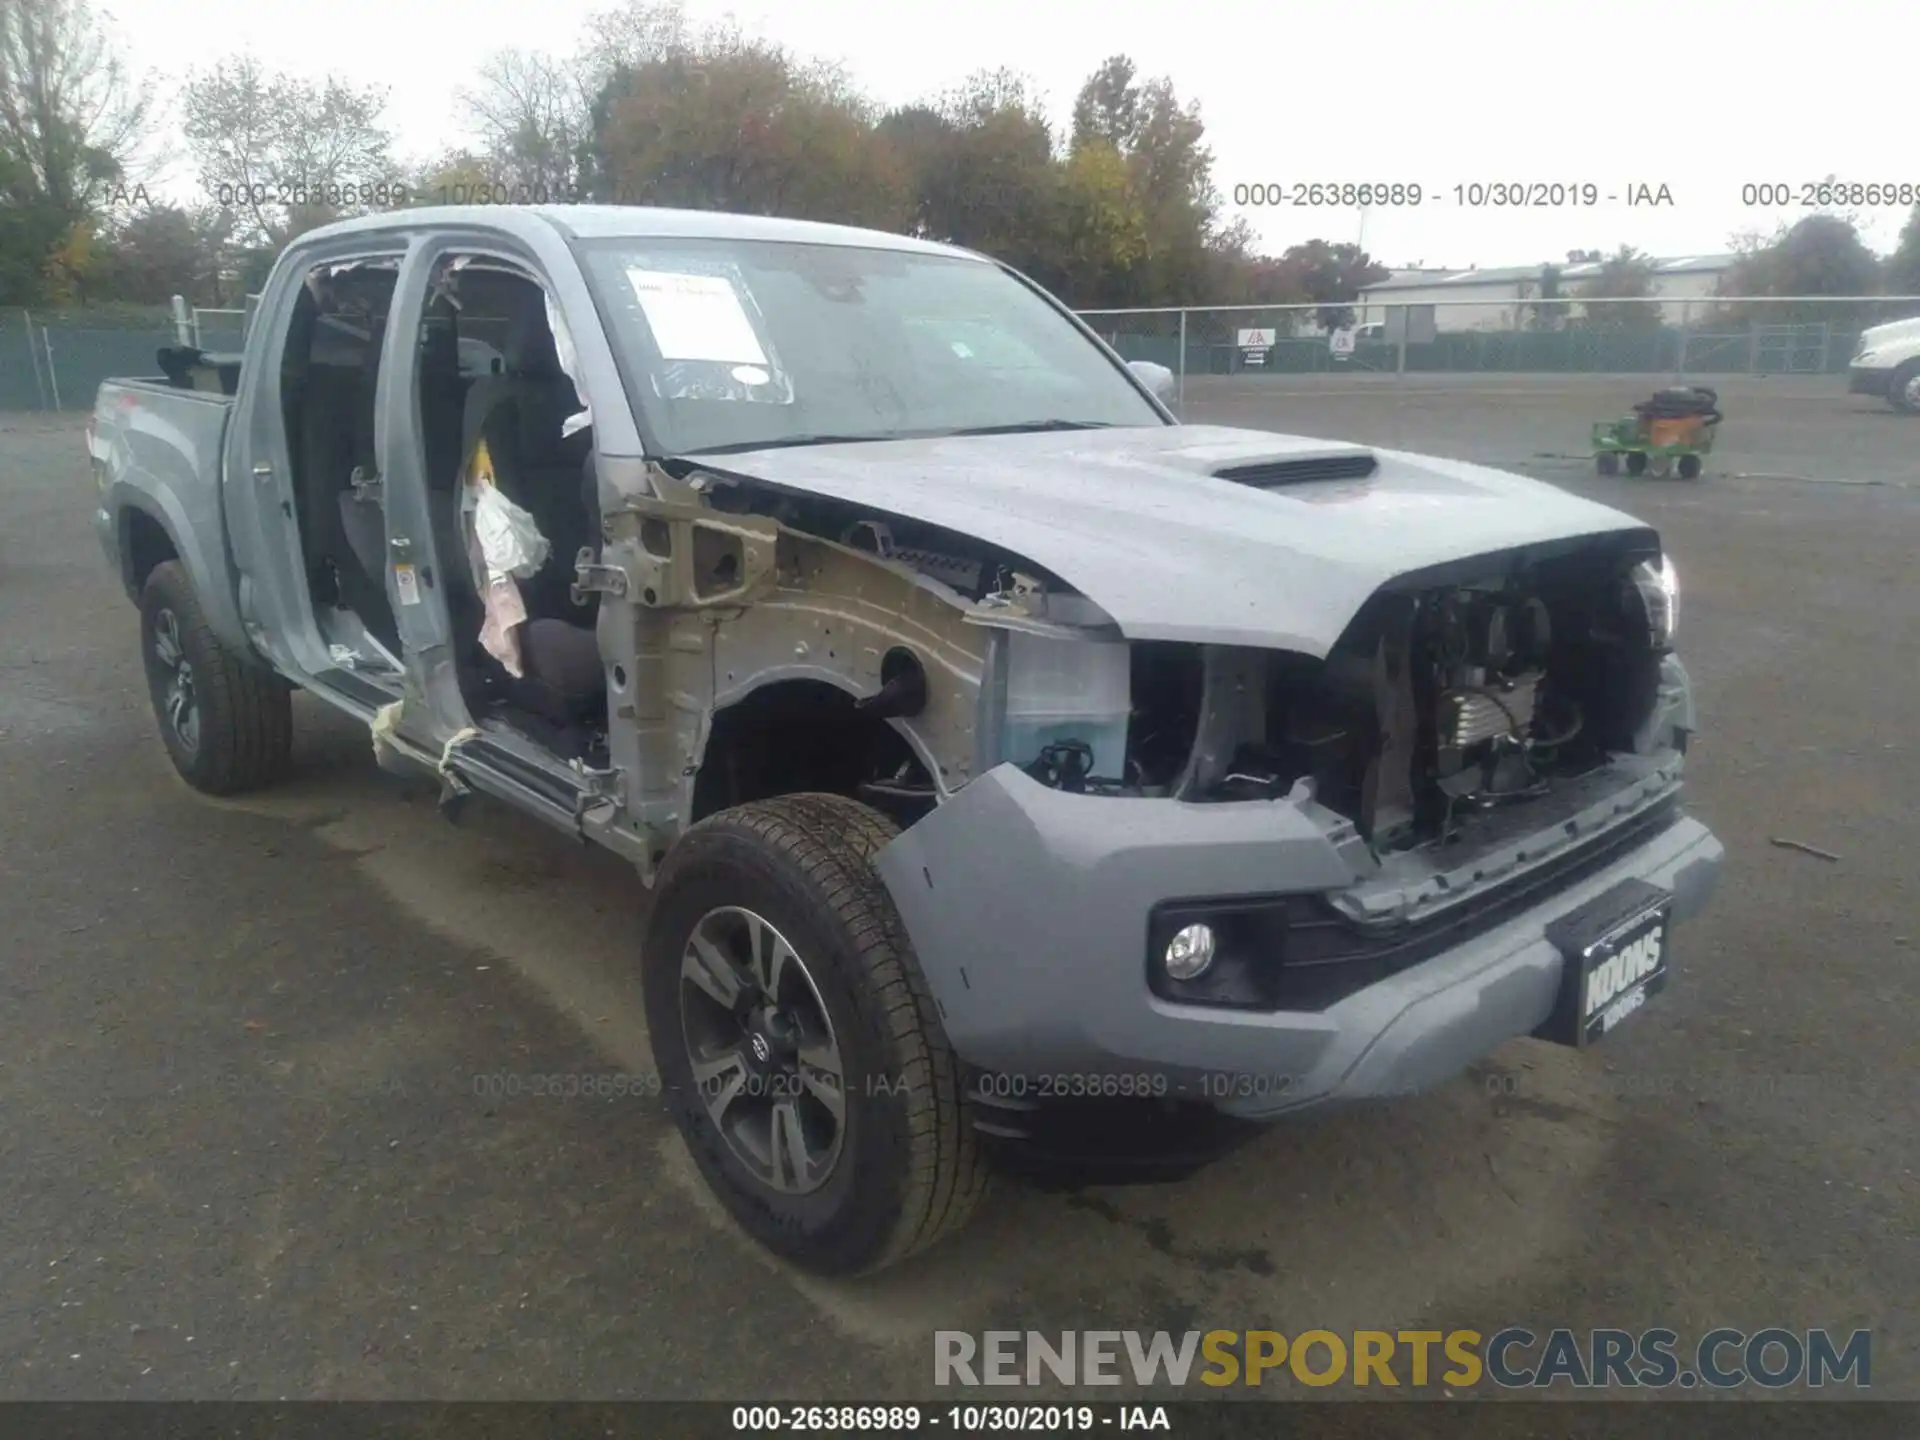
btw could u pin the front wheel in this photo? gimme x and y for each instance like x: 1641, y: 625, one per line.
x: 1904, y: 389
x: 1607, y: 463
x: 799, y: 1048
x: 1636, y: 462
x: 227, y: 723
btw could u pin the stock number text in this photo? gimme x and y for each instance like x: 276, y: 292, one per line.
x: 300, y: 192
x: 1830, y: 192
x: 1328, y: 193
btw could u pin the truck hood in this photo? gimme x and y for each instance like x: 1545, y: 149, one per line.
x: 1137, y: 520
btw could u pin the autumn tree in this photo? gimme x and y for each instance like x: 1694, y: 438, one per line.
x: 723, y: 122
x: 166, y: 250
x: 286, y: 154
x: 980, y: 169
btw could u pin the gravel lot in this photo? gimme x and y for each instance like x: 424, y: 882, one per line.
x: 246, y: 1158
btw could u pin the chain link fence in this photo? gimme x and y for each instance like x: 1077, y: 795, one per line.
x: 1662, y: 337
x: 56, y: 359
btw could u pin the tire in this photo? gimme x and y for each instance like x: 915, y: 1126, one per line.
x: 1903, y: 390
x: 227, y: 722
x: 902, y: 1166
x: 1636, y: 462
x: 1689, y: 467
x: 1607, y: 463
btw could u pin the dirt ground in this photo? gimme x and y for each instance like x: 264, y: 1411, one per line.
x: 247, y: 1153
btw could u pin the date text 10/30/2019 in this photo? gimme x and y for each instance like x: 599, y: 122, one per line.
x: 1472, y: 195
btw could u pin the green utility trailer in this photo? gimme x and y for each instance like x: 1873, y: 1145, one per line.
x: 1664, y: 436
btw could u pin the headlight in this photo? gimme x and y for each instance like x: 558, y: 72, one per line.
x: 1864, y: 356
x: 1659, y: 589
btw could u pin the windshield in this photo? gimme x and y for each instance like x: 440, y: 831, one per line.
x: 738, y: 344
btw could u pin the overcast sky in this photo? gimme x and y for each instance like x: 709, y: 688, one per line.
x: 1700, y: 97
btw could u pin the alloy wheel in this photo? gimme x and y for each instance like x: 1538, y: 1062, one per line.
x: 173, y: 684
x: 765, y: 1059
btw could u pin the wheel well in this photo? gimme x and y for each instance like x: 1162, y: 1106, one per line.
x: 144, y: 543
x: 799, y: 736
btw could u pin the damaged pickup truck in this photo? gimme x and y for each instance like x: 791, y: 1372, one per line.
x: 1015, y: 768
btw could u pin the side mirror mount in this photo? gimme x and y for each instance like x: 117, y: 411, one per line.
x: 1158, y: 378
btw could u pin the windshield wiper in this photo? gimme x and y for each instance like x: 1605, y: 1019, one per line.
x: 1025, y: 427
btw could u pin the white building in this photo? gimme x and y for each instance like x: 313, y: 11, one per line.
x: 1498, y: 299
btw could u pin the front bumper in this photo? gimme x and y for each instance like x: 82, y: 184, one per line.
x: 1862, y: 380
x: 1028, y: 909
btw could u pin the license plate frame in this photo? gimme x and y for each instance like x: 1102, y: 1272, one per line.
x: 1615, y: 955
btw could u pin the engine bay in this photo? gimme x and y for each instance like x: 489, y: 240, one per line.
x: 1447, y: 696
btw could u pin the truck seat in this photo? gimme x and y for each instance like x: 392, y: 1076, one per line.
x: 519, y: 412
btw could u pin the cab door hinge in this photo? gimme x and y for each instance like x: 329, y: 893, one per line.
x: 591, y: 577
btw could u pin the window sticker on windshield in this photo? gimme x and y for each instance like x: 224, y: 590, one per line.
x: 696, y: 317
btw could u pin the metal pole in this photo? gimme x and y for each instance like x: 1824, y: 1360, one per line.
x: 1680, y: 355
x: 53, y: 376
x: 1180, y: 393
x: 33, y: 358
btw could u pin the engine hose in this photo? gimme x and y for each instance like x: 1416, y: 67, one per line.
x: 1554, y: 742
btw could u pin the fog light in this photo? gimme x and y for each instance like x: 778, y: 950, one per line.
x: 1190, y: 952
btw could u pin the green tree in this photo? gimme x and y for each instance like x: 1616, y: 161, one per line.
x: 76, y: 123
x: 1330, y: 275
x: 1164, y: 143
x: 1903, y: 266
x: 1103, y: 227
x: 1625, y: 276
x: 1549, y: 308
x: 1819, y: 255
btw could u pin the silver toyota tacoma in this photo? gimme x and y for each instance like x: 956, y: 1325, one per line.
x: 1020, y: 774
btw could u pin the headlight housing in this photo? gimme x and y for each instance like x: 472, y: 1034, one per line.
x: 1658, y: 585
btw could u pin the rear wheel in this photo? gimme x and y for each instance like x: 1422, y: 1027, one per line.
x: 1689, y: 467
x: 1904, y: 389
x: 227, y: 723
x: 800, y: 1051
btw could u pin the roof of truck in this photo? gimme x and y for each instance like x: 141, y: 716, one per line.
x: 594, y: 222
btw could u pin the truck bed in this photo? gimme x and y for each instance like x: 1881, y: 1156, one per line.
x: 157, y: 453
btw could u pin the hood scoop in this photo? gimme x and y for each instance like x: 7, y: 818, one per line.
x: 1302, y: 469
